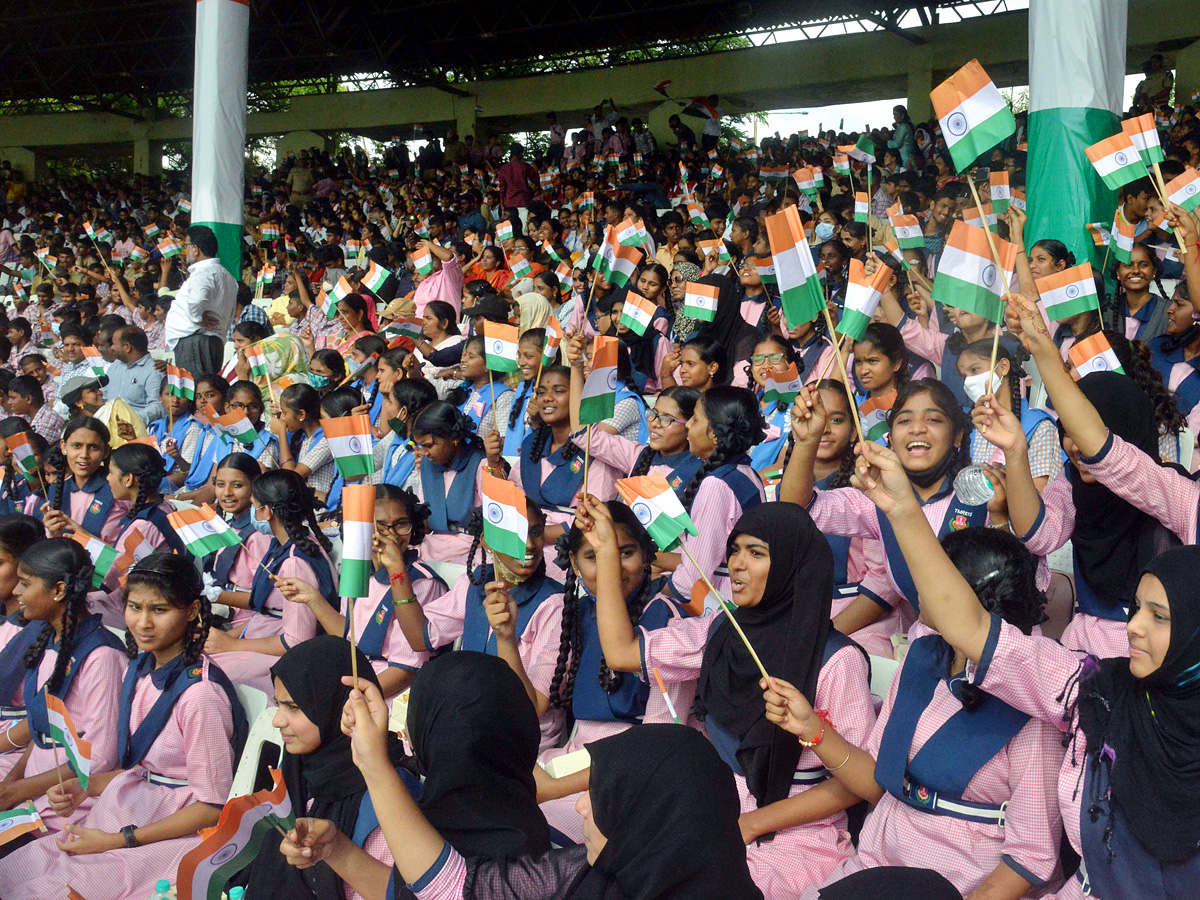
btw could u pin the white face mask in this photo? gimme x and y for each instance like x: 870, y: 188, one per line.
x: 975, y: 386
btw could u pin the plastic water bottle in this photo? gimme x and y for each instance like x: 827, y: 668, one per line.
x: 237, y: 893
x: 162, y: 889
x: 972, y: 486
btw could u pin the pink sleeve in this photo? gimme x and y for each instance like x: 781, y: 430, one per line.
x: 844, y: 688
x: 876, y: 582
x: 446, y: 615
x: 205, y: 716
x: 299, y: 623
x: 844, y: 511
x: 245, y: 564
x: 1028, y: 672
x: 1033, y: 826
x: 111, y: 529
x: 1139, y: 480
x: 824, y: 366
x: 396, y: 649
x: 1055, y: 521
x: 449, y: 882
x: 925, y: 342
x: 676, y: 650
x: 614, y: 450
x: 96, y: 702
x: 539, y: 643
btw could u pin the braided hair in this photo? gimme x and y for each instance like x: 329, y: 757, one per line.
x: 736, y: 420
x: 442, y: 419
x: 146, y: 465
x: 685, y: 398
x: 59, y: 561
x: 542, y: 438
x: 570, y: 641
x: 88, y: 423
x: 292, y: 504
x: 175, y: 580
x: 300, y: 398
x: 459, y: 394
x: 841, y: 477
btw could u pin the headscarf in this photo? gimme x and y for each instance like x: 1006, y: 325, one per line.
x: 891, y: 883
x: 728, y: 328
x: 668, y: 805
x: 475, y: 738
x: 312, y: 672
x: 535, y: 311
x: 1152, y: 724
x: 684, y: 326
x: 1113, y: 539
x: 787, y: 629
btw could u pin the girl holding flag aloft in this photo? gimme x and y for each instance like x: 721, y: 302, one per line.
x: 398, y: 578
x: 450, y: 457
x: 283, y: 508
x: 179, y: 729
x: 83, y: 488
x: 302, y: 445
x: 73, y: 658
x: 178, y: 433
x: 530, y: 361
x: 245, y: 398
x: 773, y: 358
x: 363, y: 360
x: 482, y: 397
x: 229, y: 573
x: 781, y: 581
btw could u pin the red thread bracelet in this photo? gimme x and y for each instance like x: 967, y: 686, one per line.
x: 823, y: 715
x: 399, y: 576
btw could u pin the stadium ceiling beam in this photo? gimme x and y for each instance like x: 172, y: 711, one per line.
x: 890, y: 21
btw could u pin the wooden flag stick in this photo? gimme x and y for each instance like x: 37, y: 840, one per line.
x: 837, y: 349
x: 353, y: 641
x: 999, y: 274
x: 1161, y: 186
x: 587, y: 454
x: 725, y: 604
x: 57, y: 764
x: 846, y: 380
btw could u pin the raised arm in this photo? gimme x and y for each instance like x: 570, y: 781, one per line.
x: 808, y: 423
x: 1016, y: 234
x: 1004, y: 430
x: 618, y: 638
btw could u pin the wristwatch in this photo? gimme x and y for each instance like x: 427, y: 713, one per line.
x: 130, y: 839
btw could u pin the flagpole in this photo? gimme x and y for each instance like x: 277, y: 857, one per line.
x: 725, y: 609
x: 999, y: 274
x: 587, y: 453
x: 353, y: 641
x: 837, y: 349
x: 1161, y: 187
x: 57, y: 764
x: 845, y: 378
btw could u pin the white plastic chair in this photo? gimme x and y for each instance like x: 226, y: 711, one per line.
x: 1187, y: 448
x: 262, y: 733
x: 883, y: 670
x: 252, y: 699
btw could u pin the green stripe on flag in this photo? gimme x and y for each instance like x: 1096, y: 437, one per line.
x: 853, y: 323
x: 501, y: 540
x: 983, y: 137
x: 356, y: 577
x: 104, y: 562
x: 597, y: 409
x: 355, y: 466
x: 804, y: 302
x: 974, y: 298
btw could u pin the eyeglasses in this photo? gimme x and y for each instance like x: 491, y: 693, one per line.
x: 663, y: 419
x: 245, y: 406
x: 402, y: 528
x: 773, y: 358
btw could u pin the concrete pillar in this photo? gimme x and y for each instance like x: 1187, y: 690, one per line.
x: 466, y: 120
x: 1187, y: 73
x: 920, y: 82
x: 25, y: 161
x: 147, y: 157
x: 296, y: 141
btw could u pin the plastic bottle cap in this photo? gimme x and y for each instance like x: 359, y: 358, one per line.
x: 162, y: 885
x: 237, y: 893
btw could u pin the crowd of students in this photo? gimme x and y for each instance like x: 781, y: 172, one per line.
x: 961, y: 778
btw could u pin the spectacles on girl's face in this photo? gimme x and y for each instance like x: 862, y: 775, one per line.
x: 773, y: 358
x: 402, y: 528
x: 662, y: 419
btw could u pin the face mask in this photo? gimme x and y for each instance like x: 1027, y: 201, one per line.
x: 55, y: 326
x: 260, y: 526
x: 975, y: 386
x: 318, y: 381
x: 824, y: 231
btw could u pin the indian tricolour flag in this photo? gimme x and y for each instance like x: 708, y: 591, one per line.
x: 256, y: 358
x: 504, y: 231
x: 1094, y: 354
x: 908, y: 232
x: 1069, y: 292
x: 1185, y: 190
x: 862, y: 207
x: 1117, y: 161
x: 23, y: 455
x: 894, y: 250
x: 17, y: 822
x: 374, y: 277
x: 236, y: 425
x: 841, y: 164
x: 863, y: 150
x: 409, y: 327
x: 358, y: 529
x: 554, y: 336
x: 700, y: 301
x: 599, y: 398
x: 628, y: 236
x: 1144, y: 134
x: 180, y: 383
x: 782, y: 387
x: 202, y: 530
x: 862, y: 298
x: 103, y: 556
x: 505, y: 520
x: 342, y: 289
x: 973, y: 114
x: 62, y: 731
x: 657, y: 508
x: 637, y: 313
x: 1001, y: 191
x: 698, y: 216
x: 1101, y: 233
x: 350, y: 443
x: 796, y: 273
x: 520, y: 268
x: 1122, y: 239
x: 226, y: 849
x: 967, y: 276
x: 980, y: 217
x: 765, y: 266
x: 874, y: 416
x: 422, y: 261
x: 500, y: 346
x: 806, y: 179
x: 617, y: 262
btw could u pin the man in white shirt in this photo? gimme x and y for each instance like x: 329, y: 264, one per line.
x: 199, y: 318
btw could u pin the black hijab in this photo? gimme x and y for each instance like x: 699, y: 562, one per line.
x: 728, y: 328
x: 668, y: 805
x: 1152, y: 724
x: 1114, y: 540
x: 475, y: 738
x: 312, y: 673
x: 788, y: 631
x: 891, y: 883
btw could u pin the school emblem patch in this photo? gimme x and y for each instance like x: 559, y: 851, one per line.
x: 959, y: 523
x: 576, y: 465
x: 94, y: 508
x: 195, y: 672
x: 923, y: 795
x: 379, y: 617
x: 676, y: 482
